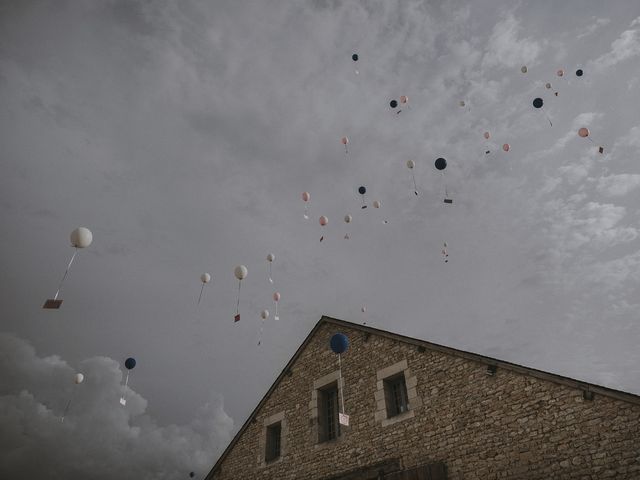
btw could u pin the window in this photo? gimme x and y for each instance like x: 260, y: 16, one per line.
x: 328, y: 413
x: 395, y: 392
x: 272, y: 448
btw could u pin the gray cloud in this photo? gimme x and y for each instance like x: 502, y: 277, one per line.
x: 99, y: 439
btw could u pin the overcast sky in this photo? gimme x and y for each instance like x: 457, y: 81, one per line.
x: 182, y: 133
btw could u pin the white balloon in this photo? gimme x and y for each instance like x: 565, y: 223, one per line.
x: 205, y: 278
x: 348, y: 218
x: 411, y: 164
x: 264, y: 314
x: 271, y: 257
x: 81, y: 237
x: 240, y: 272
x: 363, y: 309
x: 376, y: 204
x: 79, y: 378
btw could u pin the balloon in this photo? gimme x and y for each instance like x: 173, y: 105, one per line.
x: 191, y: 474
x: 344, y: 140
x: 393, y: 104
x: 487, y: 135
x: 362, y: 190
x: 276, y: 297
x: 506, y: 147
x: 441, y: 163
x: 560, y: 73
x: 81, y: 237
x: 411, y: 164
x: 579, y: 72
x: 376, y: 204
x: 363, y: 309
x: 347, y: 218
x: 404, y: 99
x: 271, y: 257
x: 354, y: 57
x: 462, y: 104
x: 79, y: 378
x: 240, y: 272
x: 547, y: 85
x: 339, y: 343
x: 583, y: 132
x: 323, y: 220
x: 537, y: 102
x: 306, y: 196
x: 524, y: 69
x: 264, y: 314
x: 205, y: 278
x: 130, y: 363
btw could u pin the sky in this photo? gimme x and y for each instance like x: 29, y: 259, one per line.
x: 183, y: 133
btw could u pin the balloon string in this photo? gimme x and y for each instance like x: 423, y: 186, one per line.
x: 415, y: 188
x: 260, y: 336
x: 126, y: 384
x: 276, y: 317
x: 545, y: 113
x: 306, y: 211
x: 270, y: 276
x: 201, y: 290
x: 238, y: 302
x: 66, y: 409
x: 65, y: 273
x: 341, y: 383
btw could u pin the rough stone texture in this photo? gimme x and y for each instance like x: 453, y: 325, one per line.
x: 507, y: 426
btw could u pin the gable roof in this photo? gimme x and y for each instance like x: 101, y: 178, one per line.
x: 551, y: 377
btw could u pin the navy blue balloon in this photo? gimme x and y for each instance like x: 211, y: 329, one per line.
x: 339, y: 343
x: 579, y: 72
x: 354, y: 57
x: 441, y: 163
x: 362, y: 190
x: 537, y: 102
x: 393, y: 104
x: 130, y: 363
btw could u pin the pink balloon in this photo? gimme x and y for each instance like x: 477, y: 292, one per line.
x: 583, y: 132
x: 305, y: 196
x: 506, y: 147
x: 323, y: 220
x: 344, y: 140
x: 487, y: 135
x: 404, y: 99
x: 560, y: 72
x: 276, y: 297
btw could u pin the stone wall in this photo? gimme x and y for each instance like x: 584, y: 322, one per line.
x: 506, y: 426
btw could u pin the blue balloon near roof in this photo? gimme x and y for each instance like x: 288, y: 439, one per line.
x: 339, y: 343
x: 130, y: 363
x: 362, y: 190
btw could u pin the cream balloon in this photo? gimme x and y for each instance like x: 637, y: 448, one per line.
x: 271, y: 257
x: 240, y: 272
x: 348, y: 218
x: 411, y: 164
x: 306, y: 196
x: 79, y: 378
x: 376, y: 204
x: 81, y: 237
x: 264, y: 314
x: 205, y: 278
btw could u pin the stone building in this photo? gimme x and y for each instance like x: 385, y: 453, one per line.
x: 418, y: 410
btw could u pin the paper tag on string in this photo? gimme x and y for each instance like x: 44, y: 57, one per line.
x: 343, y: 419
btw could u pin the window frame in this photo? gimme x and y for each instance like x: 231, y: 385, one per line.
x: 387, y: 376
x: 273, y: 442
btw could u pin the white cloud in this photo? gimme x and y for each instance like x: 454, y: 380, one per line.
x: 618, y: 185
x: 597, y: 23
x: 623, y: 48
x: 506, y: 49
x: 99, y: 439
